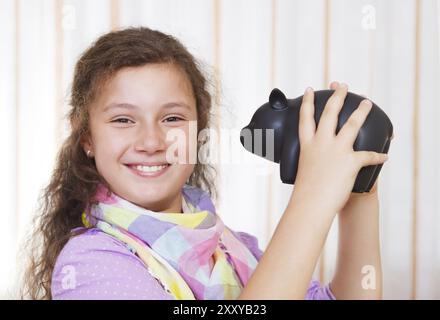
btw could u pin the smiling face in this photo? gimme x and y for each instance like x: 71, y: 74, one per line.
x: 129, y: 121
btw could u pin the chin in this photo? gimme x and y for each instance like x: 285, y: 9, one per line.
x: 149, y: 194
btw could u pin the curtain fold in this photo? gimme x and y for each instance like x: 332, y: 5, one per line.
x: 380, y: 48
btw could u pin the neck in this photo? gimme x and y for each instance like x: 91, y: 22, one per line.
x: 175, y: 206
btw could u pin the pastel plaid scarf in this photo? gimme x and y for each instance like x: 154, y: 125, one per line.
x: 186, y: 252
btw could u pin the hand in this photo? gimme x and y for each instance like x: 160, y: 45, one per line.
x: 328, y: 165
x: 373, y: 190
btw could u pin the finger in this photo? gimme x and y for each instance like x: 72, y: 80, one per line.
x: 370, y: 158
x: 351, y: 127
x: 307, y: 126
x: 374, y: 187
x: 329, y: 118
x: 334, y: 85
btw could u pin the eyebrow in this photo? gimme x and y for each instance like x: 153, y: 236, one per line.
x: 132, y: 106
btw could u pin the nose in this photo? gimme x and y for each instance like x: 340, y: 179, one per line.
x: 150, y: 138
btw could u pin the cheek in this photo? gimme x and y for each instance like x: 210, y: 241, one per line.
x: 182, y: 145
x: 185, y: 171
x: 191, y: 141
x: 109, y: 144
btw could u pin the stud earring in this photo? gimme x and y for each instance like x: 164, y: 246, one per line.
x: 88, y: 153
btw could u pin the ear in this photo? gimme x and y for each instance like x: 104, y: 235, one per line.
x: 277, y: 99
x: 86, y: 144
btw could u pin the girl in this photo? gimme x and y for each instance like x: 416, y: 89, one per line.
x: 124, y: 218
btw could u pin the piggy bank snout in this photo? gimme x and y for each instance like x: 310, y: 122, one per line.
x: 241, y: 137
x: 246, y: 136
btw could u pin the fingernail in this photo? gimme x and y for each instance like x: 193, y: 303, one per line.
x: 308, y: 89
x: 344, y: 85
x: 367, y: 102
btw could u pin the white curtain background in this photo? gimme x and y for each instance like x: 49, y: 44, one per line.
x: 387, y: 50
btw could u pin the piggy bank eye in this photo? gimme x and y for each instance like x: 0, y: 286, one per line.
x: 277, y: 100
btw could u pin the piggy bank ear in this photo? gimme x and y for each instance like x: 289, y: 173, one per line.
x: 277, y: 100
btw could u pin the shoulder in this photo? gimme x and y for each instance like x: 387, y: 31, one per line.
x: 93, y: 246
x: 91, y: 239
x: 95, y: 265
x: 316, y: 290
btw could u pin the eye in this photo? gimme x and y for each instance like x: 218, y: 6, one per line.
x: 174, y: 117
x: 121, y: 120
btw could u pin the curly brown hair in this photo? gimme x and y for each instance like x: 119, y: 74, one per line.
x: 75, y: 178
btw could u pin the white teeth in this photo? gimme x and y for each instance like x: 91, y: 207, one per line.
x: 150, y: 168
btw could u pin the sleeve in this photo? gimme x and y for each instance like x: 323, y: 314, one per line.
x: 315, y: 291
x: 318, y: 292
x: 95, y: 265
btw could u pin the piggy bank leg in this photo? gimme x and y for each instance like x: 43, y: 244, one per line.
x: 289, y: 162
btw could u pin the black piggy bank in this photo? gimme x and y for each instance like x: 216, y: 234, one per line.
x: 281, y: 144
